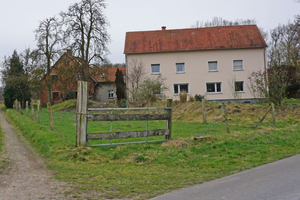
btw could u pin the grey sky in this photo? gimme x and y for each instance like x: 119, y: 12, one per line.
x: 19, y: 18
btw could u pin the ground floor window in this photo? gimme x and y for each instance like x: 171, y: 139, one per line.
x: 214, y: 87
x: 55, y: 95
x: 110, y: 93
x: 239, y: 86
x: 181, y: 87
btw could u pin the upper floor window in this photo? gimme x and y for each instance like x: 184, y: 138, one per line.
x: 181, y: 87
x: 239, y: 86
x: 54, y: 77
x: 103, y: 75
x: 238, y: 65
x: 212, y: 66
x: 155, y: 68
x: 180, y: 68
x: 214, y: 87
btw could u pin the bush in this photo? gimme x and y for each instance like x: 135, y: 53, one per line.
x: 183, y: 96
x: 191, y: 98
x: 199, y: 97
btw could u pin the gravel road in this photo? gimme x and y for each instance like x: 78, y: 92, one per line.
x: 25, y: 177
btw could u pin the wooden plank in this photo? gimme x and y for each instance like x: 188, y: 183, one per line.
x: 143, y: 108
x: 129, y: 134
x: 140, y: 142
x: 129, y: 117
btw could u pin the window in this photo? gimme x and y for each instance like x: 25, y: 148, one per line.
x: 78, y: 77
x: 239, y: 86
x: 155, y: 68
x: 212, y: 66
x: 181, y: 87
x: 213, y: 87
x: 180, y: 68
x: 238, y: 65
x: 103, y: 75
x: 110, y: 93
x: 55, y: 95
x: 54, y: 77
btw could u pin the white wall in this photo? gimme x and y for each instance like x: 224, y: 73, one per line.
x: 196, y: 69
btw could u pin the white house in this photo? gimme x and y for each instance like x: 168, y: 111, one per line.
x: 211, y: 61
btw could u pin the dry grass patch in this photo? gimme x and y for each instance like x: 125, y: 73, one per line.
x: 175, y: 143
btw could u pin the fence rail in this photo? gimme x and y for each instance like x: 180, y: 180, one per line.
x: 83, y: 116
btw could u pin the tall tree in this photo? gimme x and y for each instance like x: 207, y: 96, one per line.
x: 16, y: 81
x: 48, y: 36
x: 120, y: 85
x: 86, y: 32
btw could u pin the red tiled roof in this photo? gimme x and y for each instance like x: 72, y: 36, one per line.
x: 109, y: 74
x: 223, y: 37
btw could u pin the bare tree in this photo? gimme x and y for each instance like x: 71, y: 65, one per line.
x: 48, y: 36
x: 135, y: 76
x: 219, y: 21
x: 86, y: 32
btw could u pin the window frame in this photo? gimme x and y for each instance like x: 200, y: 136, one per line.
x: 210, y: 61
x: 111, y: 92
x: 78, y: 77
x: 215, y: 83
x: 238, y: 69
x: 180, y: 72
x: 178, y: 85
x: 54, y: 79
x: 152, y: 65
x: 57, y: 95
x: 243, y: 88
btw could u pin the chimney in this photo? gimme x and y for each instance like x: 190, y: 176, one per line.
x: 163, y: 28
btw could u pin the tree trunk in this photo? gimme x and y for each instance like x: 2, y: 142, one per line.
x: 49, y: 93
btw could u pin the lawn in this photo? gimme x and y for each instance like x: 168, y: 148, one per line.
x: 141, y: 171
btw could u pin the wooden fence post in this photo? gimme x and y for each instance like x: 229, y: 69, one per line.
x: 20, y: 108
x: 32, y: 111
x: 273, y: 115
x: 16, y: 105
x: 38, y: 111
x: 262, y: 119
x: 203, y: 110
x: 81, y: 112
x: 26, y: 108
x: 226, y: 118
x: 50, y: 116
x: 169, y: 104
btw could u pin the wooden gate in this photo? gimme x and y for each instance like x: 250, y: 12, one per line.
x: 83, y: 115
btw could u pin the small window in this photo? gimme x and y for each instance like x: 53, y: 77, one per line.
x: 155, y: 68
x: 103, y: 75
x: 110, y: 93
x: 239, y: 86
x: 78, y: 77
x: 181, y: 87
x: 180, y: 68
x: 212, y: 66
x: 213, y: 87
x: 54, y: 77
x: 238, y: 65
x: 55, y: 95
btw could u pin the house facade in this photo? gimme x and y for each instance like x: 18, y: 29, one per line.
x: 212, y: 61
x: 65, y: 74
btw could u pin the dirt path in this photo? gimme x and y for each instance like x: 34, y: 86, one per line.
x: 26, y: 176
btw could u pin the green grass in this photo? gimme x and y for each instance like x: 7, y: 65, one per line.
x: 147, y: 170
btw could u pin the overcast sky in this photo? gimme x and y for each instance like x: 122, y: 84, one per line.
x: 19, y: 18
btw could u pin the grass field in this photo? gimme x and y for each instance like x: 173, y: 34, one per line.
x: 141, y: 171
